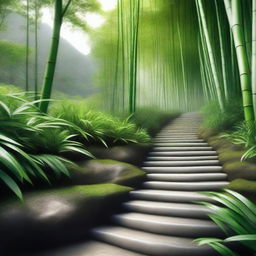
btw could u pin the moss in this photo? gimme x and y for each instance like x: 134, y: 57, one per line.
x: 245, y: 187
x: 206, y: 133
x: 96, y: 190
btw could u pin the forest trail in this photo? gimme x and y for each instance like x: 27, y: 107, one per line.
x: 161, y: 218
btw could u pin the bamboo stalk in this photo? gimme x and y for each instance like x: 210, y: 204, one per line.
x: 254, y: 54
x: 50, y: 68
x: 222, y: 52
x: 210, y: 53
x: 36, y: 49
x: 27, y: 48
x: 243, y: 64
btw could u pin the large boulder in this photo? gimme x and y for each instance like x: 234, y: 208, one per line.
x: 52, y: 217
x: 245, y: 187
x: 133, y: 153
x: 107, y: 171
x: 238, y: 169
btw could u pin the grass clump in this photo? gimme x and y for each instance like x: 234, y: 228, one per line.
x: 244, y: 135
x: 95, y: 127
x: 218, y: 120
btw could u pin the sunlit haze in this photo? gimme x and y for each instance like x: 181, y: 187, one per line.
x: 77, y: 37
x: 108, y: 5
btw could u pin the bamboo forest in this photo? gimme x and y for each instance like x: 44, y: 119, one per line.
x: 127, y: 127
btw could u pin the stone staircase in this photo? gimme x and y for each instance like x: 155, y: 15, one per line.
x: 162, y: 218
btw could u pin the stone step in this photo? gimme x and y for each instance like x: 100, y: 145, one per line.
x: 169, y: 196
x: 150, y: 244
x: 184, y: 169
x: 186, y: 186
x: 175, y: 140
x: 177, y: 133
x: 180, y: 144
x: 169, y: 137
x: 166, y: 225
x: 184, y: 158
x: 182, y: 163
x: 179, y: 129
x: 86, y: 248
x: 203, y: 148
x: 168, y: 209
x: 183, y: 153
x: 187, y: 177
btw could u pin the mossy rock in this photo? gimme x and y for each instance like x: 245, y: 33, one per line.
x: 230, y: 156
x: 206, y: 133
x: 238, y: 169
x: 107, y: 171
x: 217, y: 143
x: 245, y: 187
x: 52, y: 217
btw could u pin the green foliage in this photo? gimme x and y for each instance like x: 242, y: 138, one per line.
x: 236, y: 217
x: 31, y: 144
x: 152, y: 118
x: 11, y: 53
x: 218, y: 120
x: 97, y: 127
x: 245, y: 135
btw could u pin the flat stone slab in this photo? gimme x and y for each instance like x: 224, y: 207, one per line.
x: 88, y: 248
x: 183, y: 169
x: 169, y: 196
x: 150, y: 244
x: 187, y: 186
x: 168, y: 208
x: 168, y: 225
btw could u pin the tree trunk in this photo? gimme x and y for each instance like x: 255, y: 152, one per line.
x: 50, y: 68
x: 235, y: 17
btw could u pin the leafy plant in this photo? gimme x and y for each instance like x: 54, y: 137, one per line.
x: 31, y: 144
x: 245, y: 135
x: 236, y: 217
